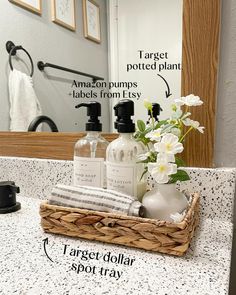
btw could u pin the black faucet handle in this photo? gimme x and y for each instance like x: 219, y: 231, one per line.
x: 8, y: 191
x: 42, y: 119
x: 15, y: 189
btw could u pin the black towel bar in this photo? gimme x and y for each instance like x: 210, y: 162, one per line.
x: 42, y: 65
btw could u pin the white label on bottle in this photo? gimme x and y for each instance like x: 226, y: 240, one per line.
x: 89, y: 171
x: 122, y: 178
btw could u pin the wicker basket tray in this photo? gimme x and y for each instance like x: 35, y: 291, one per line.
x: 143, y: 233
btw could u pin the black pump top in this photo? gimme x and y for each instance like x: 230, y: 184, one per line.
x: 156, y: 110
x: 93, y: 111
x: 117, y: 119
x: 124, y: 110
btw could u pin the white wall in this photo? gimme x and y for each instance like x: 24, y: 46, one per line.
x: 152, y: 26
x: 52, y: 43
x: 225, y: 148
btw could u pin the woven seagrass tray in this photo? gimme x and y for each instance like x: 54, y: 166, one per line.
x: 143, y: 233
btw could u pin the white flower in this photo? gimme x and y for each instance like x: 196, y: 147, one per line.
x: 190, y: 100
x: 154, y: 135
x: 201, y: 129
x: 176, y: 115
x: 143, y: 157
x: 169, y: 144
x: 161, y: 170
x: 151, y: 147
x: 166, y: 157
x: 175, y: 131
x: 194, y: 124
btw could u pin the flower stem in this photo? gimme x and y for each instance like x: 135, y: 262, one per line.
x: 152, y: 118
x: 180, y: 124
x: 182, y: 138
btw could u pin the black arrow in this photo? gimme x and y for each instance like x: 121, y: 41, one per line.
x: 168, y: 94
x: 44, y: 246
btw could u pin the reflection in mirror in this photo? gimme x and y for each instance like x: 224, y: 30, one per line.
x: 135, y: 46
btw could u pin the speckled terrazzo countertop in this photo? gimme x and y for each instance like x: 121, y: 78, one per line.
x: 25, y: 268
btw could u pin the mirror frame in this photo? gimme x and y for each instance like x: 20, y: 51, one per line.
x: 201, y: 30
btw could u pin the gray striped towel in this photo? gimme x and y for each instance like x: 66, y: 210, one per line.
x: 96, y: 199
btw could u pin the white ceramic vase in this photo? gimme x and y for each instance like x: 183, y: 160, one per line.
x: 163, y: 201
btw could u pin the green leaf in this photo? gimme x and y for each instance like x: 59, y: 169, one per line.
x: 141, y: 125
x: 181, y: 175
x: 159, y: 124
x: 149, y: 129
x: 179, y: 162
x: 167, y: 128
x: 140, y: 136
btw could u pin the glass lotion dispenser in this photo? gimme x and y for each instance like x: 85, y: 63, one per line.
x: 123, y: 171
x: 90, y: 151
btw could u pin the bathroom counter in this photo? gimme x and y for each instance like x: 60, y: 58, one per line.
x: 26, y: 269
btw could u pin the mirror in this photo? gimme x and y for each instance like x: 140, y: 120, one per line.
x: 200, y: 60
x: 137, y: 52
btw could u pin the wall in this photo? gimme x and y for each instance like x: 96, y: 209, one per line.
x: 148, y: 30
x: 225, y: 149
x: 52, y: 43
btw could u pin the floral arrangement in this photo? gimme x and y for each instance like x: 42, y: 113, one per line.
x: 164, y: 140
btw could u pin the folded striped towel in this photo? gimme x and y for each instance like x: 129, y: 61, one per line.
x: 96, y: 199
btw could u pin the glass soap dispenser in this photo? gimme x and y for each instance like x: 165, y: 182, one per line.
x: 90, y: 151
x: 123, y: 172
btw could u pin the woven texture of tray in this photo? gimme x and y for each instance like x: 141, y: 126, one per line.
x: 143, y: 233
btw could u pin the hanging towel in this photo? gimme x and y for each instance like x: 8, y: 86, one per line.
x: 24, y: 104
x: 93, y: 198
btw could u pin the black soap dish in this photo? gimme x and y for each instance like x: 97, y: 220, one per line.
x: 8, y: 191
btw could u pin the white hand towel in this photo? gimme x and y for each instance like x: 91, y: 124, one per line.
x: 24, y: 104
x: 93, y: 198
